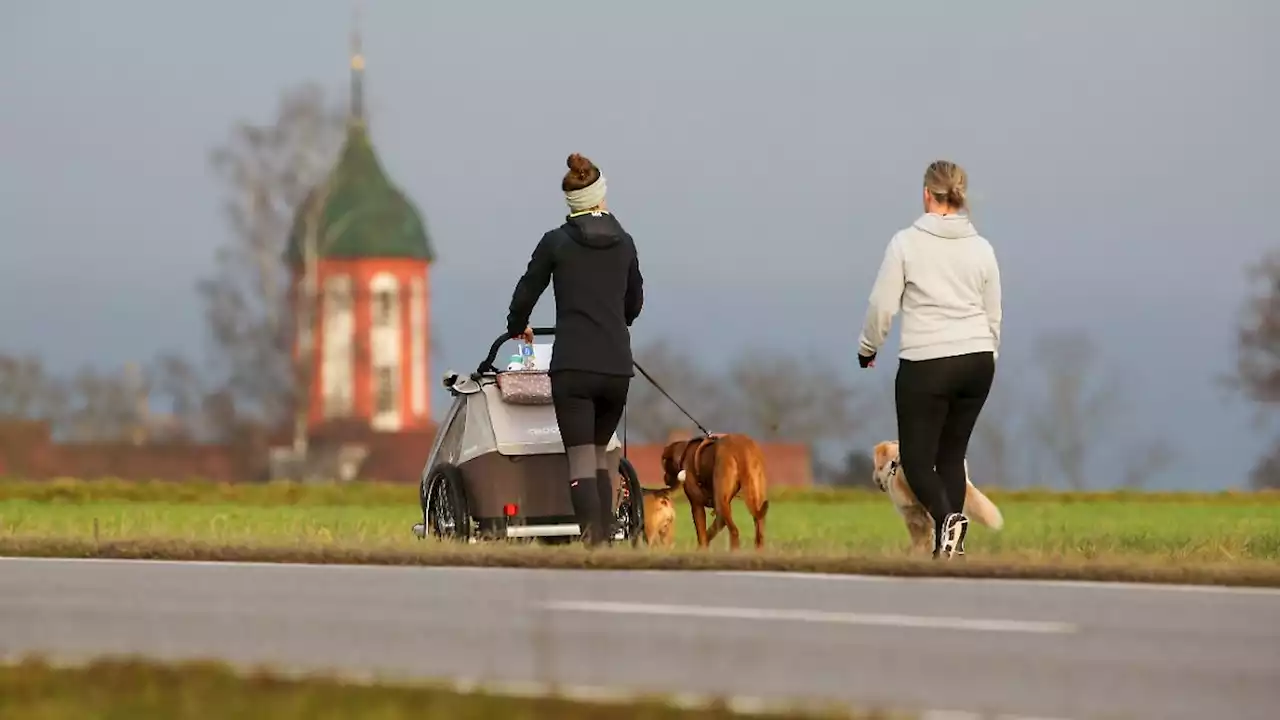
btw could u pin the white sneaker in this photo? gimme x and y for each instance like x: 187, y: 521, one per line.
x: 954, y: 528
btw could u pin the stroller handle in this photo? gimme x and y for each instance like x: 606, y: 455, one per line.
x: 487, y: 364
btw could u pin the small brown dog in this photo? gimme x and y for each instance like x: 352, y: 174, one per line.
x: 659, y: 517
x: 713, y: 470
x: 888, y: 476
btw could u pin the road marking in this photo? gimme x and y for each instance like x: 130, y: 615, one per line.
x: 1083, y: 584
x: 964, y: 715
x: 816, y: 616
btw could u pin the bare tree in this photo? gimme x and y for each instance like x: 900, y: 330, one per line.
x: 651, y: 416
x: 108, y: 407
x: 1266, y: 473
x: 1145, y: 461
x: 1077, y: 407
x: 29, y: 392
x: 854, y: 469
x: 271, y: 173
x: 777, y: 397
x: 1257, y: 373
x: 177, y: 386
x: 772, y: 397
x: 1258, y: 337
x: 994, y: 459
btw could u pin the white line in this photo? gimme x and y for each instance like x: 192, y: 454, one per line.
x: 1083, y: 584
x: 816, y: 616
x: 964, y: 715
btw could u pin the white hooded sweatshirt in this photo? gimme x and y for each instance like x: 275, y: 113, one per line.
x: 944, y: 278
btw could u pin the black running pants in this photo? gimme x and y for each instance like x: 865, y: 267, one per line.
x: 938, y: 403
x: 588, y: 407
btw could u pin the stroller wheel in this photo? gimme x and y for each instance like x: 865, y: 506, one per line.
x: 445, y: 514
x: 629, y: 517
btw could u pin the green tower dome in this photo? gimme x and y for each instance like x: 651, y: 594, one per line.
x: 364, y: 215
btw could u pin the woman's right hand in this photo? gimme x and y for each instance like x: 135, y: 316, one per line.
x: 526, y: 336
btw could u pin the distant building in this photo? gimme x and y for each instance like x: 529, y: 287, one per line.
x: 370, y: 334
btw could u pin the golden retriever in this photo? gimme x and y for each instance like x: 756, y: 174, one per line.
x: 888, y: 476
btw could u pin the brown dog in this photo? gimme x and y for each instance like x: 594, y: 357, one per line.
x: 714, y: 470
x: 659, y: 517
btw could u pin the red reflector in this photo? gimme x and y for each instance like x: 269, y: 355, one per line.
x: 510, y: 510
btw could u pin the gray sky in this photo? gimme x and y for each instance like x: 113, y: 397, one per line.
x: 1119, y: 153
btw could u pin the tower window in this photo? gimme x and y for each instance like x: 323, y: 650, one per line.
x: 337, y: 354
x: 385, y: 351
x: 384, y: 391
x: 384, y: 303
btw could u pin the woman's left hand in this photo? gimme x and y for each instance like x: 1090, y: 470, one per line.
x: 526, y: 336
x: 867, y: 361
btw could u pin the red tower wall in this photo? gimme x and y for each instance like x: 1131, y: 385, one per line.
x: 362, y: 271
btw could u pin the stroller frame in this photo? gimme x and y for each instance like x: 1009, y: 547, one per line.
x: 499, y: 471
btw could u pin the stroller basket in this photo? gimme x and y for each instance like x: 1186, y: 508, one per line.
x: 525, y: 387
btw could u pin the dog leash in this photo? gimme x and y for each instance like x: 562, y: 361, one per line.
x: 667, y: 395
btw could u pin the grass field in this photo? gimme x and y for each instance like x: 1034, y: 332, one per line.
x: 1174, y: 527
x: 1221, y: 530
x: 129, y: 689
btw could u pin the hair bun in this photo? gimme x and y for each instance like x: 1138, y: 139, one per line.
x: 947, y: 182
x: 579, y: 165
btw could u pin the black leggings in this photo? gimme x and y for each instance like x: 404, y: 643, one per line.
x: 588, y: 407
x: 938, y: 404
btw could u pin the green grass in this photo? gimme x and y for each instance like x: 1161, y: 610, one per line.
x: 374, y: 494
x: 133, y: 689
x: 1176, y: 537
x: 1167, y: 531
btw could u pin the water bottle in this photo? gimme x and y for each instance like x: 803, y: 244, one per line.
x: 515, y: 362
x: 526, y: 353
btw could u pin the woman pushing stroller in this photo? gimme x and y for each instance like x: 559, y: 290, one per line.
x: 590, y: 261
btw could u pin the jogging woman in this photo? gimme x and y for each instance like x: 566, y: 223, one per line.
x: 944, y: 278
x: 591, y: 262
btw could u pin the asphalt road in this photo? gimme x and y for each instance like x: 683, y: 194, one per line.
x: 1024, y: 649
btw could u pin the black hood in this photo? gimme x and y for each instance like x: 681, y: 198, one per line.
x: 595, y: 231
x: 591, y: 263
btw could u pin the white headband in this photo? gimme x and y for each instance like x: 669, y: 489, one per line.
x: 587, y: 197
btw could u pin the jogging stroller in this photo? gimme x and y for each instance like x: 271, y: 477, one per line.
x: 498, y: 469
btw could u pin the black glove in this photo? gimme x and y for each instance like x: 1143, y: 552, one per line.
x: 865, y: 360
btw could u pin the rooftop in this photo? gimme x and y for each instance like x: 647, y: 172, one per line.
x: 362, y: 214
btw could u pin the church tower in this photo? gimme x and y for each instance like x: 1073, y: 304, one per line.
x: 361, y: 250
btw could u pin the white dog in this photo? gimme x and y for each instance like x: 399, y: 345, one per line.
x: 888, y: 476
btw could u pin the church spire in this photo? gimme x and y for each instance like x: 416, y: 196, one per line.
x: 357, y: 70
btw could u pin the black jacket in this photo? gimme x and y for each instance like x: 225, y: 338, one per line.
x: 599, y: 291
